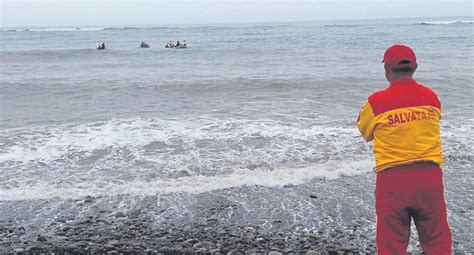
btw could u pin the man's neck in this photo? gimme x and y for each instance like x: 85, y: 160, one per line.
x: 402, y: 82
x: 404, y: 77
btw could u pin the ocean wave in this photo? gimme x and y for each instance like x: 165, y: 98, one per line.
x: 192, y: 184
x: 113, y: 28
x: 80, y: 29
x: 451, y: 22
x: 171, y: 155
x: 121, y: 28
x: 64, y: 54
x: 342, y: 25
x: 22, y: 55
x: 55, y: 29
x: 146, y: 156
x: 50, y: 143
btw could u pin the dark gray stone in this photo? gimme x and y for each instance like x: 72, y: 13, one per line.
x: 347, y: 248
x: 109, y: 247
x: 192, y: 241
x: 275, y: 253
x: 164, y: 249
x: 119, y: 214
x: 197, y: 245
x: 41, y: 238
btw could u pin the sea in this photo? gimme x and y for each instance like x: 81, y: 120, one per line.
x: 244, y: 105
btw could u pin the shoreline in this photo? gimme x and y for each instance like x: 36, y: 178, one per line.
x: 324, y: 216
x: 249, y: 219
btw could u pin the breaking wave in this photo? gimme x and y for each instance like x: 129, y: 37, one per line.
x: 147, y: 156
x: 452, y: 22
x: 55, y: 29
x: 78, y: 29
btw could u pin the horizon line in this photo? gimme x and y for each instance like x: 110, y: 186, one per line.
x: 244, y: 22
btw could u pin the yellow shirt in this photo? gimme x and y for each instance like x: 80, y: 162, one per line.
x: 404, y: 122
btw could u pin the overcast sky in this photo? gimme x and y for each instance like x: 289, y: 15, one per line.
x: 140, y: 12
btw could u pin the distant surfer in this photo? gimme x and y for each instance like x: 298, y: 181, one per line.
x: 403, y: 121
x: 101, y: 46
x: 177, y: 44
x: 144, y: 44
x: 170, y: 44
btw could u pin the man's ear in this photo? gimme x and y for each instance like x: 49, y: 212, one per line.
x: 387, y: 72
x: 414, y: 68
x: 387, y: 75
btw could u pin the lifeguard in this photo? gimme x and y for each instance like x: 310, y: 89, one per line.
x: 403, y: 121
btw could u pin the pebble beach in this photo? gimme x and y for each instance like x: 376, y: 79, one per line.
x: 245, y: 220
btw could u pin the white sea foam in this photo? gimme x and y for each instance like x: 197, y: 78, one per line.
x: 195, y: 184
x: 132, y: 155
x: 450, y: 22
x: 51, y: 143
x: 74, y: 29
x: 54, y: 29
x: 148, y: 156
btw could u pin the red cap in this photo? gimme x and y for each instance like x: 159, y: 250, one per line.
x: 398, y: 53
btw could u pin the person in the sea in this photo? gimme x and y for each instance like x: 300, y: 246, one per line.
x: 177, y: 44
x: 403, y: 121
x: 101, y: 46
x: 144, y: 44
x: 184, y: 43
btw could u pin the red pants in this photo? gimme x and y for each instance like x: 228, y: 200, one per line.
x: 406, y: 192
